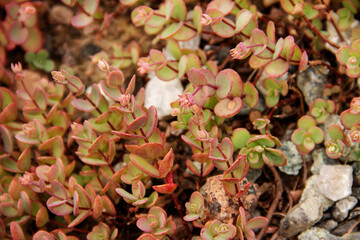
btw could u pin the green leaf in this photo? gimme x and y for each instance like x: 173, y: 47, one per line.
x: 144, y: 165
x: 276, y: 68
x: 240, y: 137
x: 223, y: 84
x: 171, y: 30
x: 81, y: 217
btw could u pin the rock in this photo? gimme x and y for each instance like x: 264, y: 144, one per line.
x: 342, y: 208
x: 253, y: 174
x: 311, y: 191
x: 328, y: 225
x: 220, y: 205
x: 312, y: 84
x: 354, y: 213
x: 351, y: 236
x: 316, y: 233
x: 344, y: 227
x: 294, y: 160
x: 335, y: 181
x: 60, y: 14
x: 160, y: 94
x: 301, y: 217
x: 320, y: 159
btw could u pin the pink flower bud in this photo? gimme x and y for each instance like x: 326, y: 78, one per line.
x: 240, y: 51
x: 186, y: 100
x: 26, y: 179
x: 16, y: 67
x: 125, y: 99
x: 103, y: 65
x: 58, y: 77
x: 205, y: 20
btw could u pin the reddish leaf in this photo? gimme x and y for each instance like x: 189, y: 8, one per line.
x: 165, y: 188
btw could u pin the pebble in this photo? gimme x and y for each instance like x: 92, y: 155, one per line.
x: 342, y: 208
x: 294, y: 160
x: 60, y: 14
x: 301, y: 217
x: 320, y: 159
x: 328, y: 225
x: 335, y: 181
x: 160, y: 94
x: 312, y: 84
x: 344, y: 227
x: 317, y: 233
x: 220, y: 205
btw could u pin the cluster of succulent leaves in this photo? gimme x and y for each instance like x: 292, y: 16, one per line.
x: 71, y: 153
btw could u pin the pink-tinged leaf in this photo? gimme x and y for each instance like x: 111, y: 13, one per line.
x: 167, y: 188
x: 228, y: 107
x: 201, y: 96
x: 166, y: 164
x: 179, y: 9
x: 222, y: 26
x: 144, y: 165
x: 58, y: 190
x: 256, y: 62
x: 115, y: 79
x: 82, y: 105
x: 191, y: 142
x: 278, y: 48
x: 137, y: 123
x: 223, y: 83
x: 303, y: 62
x: 151, y: 123
x: 196, y: 77
x: 243, y: 19
x: 26, y: 202
x: 276, y: 68
x: 56, y: 145
x: 167, y: 71
x: 348, y: 119
x: 81, y: 20
x: 97, y: 206
x: 16, y: 231
x: 42, y: 235
x: 69, y: 3
x: 34, y: 42
x: 90, y: 6
x: 84, y: 199
x: 94, y: 159
x: 257, y: 222
x: 24, y: 160
x: 7, y: 139
x: 171, y: 30
x: 184, y: 34
x: 288, y: 49
x: 18, y: 34
x: 183, y: 63
x: 270, y: 30
x: 192, y: 167
x: 108, y: 205
x: 81, y: 217
x: 58, y: 207
x: 42, y: 217
x: 150, y: 150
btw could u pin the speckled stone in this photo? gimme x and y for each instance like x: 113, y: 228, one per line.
x: 294, y: 160
x: 220, y: 205
x: 342, y: 208
x: 316, y: 233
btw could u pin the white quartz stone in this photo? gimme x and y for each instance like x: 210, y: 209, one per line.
x: 160, y: 94
x: 335, y: 181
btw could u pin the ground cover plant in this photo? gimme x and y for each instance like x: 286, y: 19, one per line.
x: 84, y: 156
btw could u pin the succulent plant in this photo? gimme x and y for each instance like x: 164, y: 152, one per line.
x: 321, y: 109
x: 195, y: 209
x: 245, y: 225
x: 349, y: 56
x: 273, y: 91
x: 338, y: 140
x: 307, y: 135
x: 40, y: 60
x: 157, y: 223
x: 218, y: 230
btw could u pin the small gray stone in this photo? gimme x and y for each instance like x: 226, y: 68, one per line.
x: 328, y: 225
x: 253, y: 174
x: 320, y: 158
x: 311, y: 190
x: 335, y: 181
x: 294, y: 160
x: 301, y: 217
x: 344, y: 227
x: 316, y: 233
x: 342, y: 208
x: 312, y: 84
